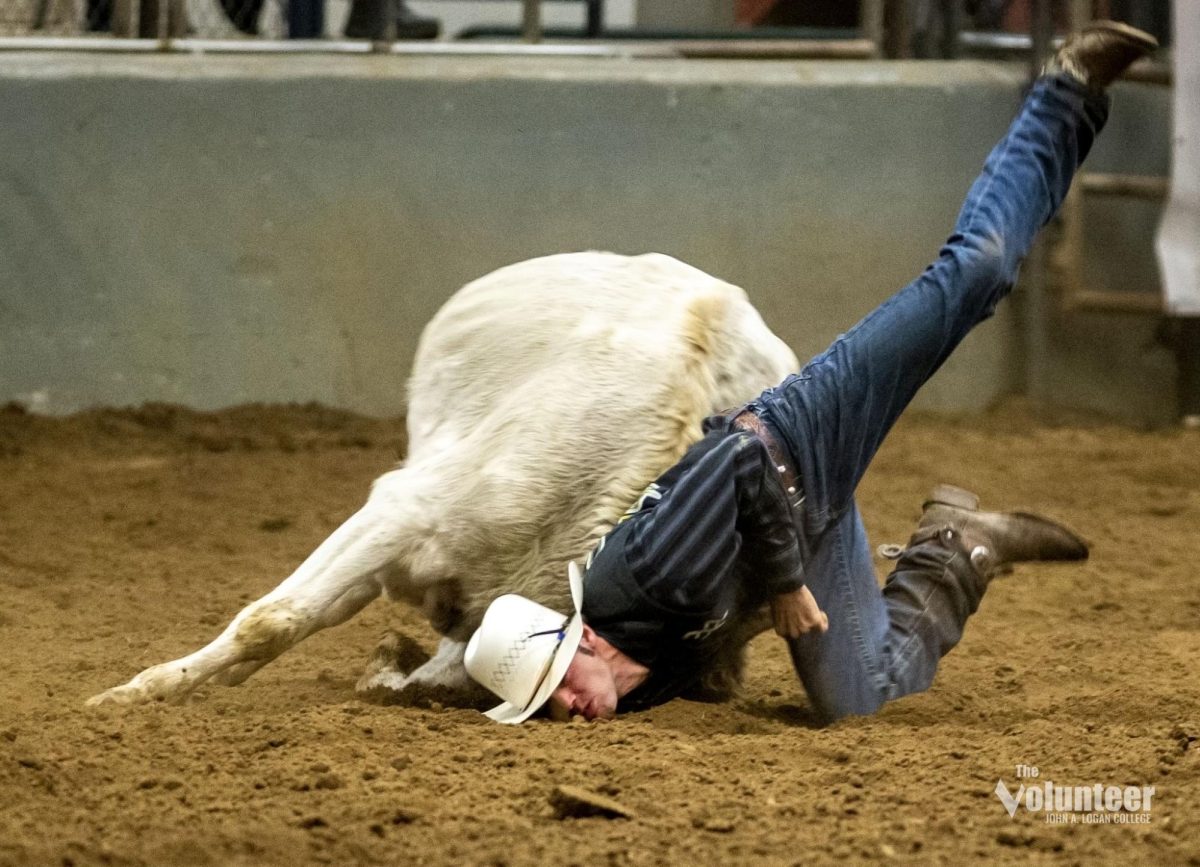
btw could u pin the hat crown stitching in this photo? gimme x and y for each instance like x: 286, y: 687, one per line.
x: 506, y: 666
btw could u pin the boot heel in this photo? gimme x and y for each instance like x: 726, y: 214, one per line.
x: 949, y: 495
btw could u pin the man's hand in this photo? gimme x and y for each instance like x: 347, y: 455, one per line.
x: 796, y: 613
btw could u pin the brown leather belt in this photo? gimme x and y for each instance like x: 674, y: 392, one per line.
x: 748, y: 420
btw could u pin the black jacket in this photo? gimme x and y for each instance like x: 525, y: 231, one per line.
x: 708, y: 543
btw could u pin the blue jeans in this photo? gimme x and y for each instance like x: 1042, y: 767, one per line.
x: 834, y: 414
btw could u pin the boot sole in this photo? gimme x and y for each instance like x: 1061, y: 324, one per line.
x: 1132, y: 35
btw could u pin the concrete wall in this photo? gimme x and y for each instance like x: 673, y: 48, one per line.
x: 215, y: 230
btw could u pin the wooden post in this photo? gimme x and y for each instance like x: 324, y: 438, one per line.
x: 870, y: 23
x: 1079, y: 13
x: 1041, y: 34
x: 531, y: 20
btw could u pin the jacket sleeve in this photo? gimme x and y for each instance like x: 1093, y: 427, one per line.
x: 771, y: 543
x: 727, y: 505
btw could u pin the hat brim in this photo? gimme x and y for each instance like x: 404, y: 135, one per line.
x: 509, y: 713
x: 575, y: 580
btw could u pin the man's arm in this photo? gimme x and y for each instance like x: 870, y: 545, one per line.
x: 773, y: 547
x: 727, y: 505
x: 770, y: 542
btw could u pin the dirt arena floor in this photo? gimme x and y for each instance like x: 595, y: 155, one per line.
x: 131, y: 537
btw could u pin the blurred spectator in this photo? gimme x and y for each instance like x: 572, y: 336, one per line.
x: 243, y: 14
x: 797, y: 13
x: 1153, y: 16
x: 99, y: 15
x: 751, y: 12
x: 104, y: 15
x: 935, y: 26
x: 986, y: 14
x: 306, y: 19
x: 931, y: 24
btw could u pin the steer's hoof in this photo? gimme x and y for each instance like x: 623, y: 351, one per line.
x: 118, y: 696
x: 391, y: 661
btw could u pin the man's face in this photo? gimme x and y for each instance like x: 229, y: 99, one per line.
x: 587, y: 689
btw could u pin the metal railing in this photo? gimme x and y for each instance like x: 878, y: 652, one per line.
x: 891, y: 28
x: 243, y: 25
x: 1067, y: 256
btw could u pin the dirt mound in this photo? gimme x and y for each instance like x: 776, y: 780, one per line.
x: 162, y: 428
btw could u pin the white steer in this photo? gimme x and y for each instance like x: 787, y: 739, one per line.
x: 544, y: 397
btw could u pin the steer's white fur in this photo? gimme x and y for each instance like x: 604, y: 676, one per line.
x: 544, y: 397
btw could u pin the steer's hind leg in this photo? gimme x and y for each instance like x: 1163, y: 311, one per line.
x: 337, y: 580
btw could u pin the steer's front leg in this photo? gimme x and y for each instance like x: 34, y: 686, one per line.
x: 337, y: 580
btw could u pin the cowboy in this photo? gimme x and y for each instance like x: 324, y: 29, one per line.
x: 760, y: 513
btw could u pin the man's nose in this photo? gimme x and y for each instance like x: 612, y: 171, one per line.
x: 560, y: 703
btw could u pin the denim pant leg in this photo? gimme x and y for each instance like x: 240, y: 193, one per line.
x: 844, y: 670
x: 880, y: 646
x: 834, y: 414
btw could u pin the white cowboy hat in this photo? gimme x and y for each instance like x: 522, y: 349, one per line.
x: 521, y: 650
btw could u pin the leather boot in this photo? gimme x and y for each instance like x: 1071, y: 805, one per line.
x: 1100, y: 52
x: 410, y: 25
x: 994, y: 540
x: 368, y: 20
